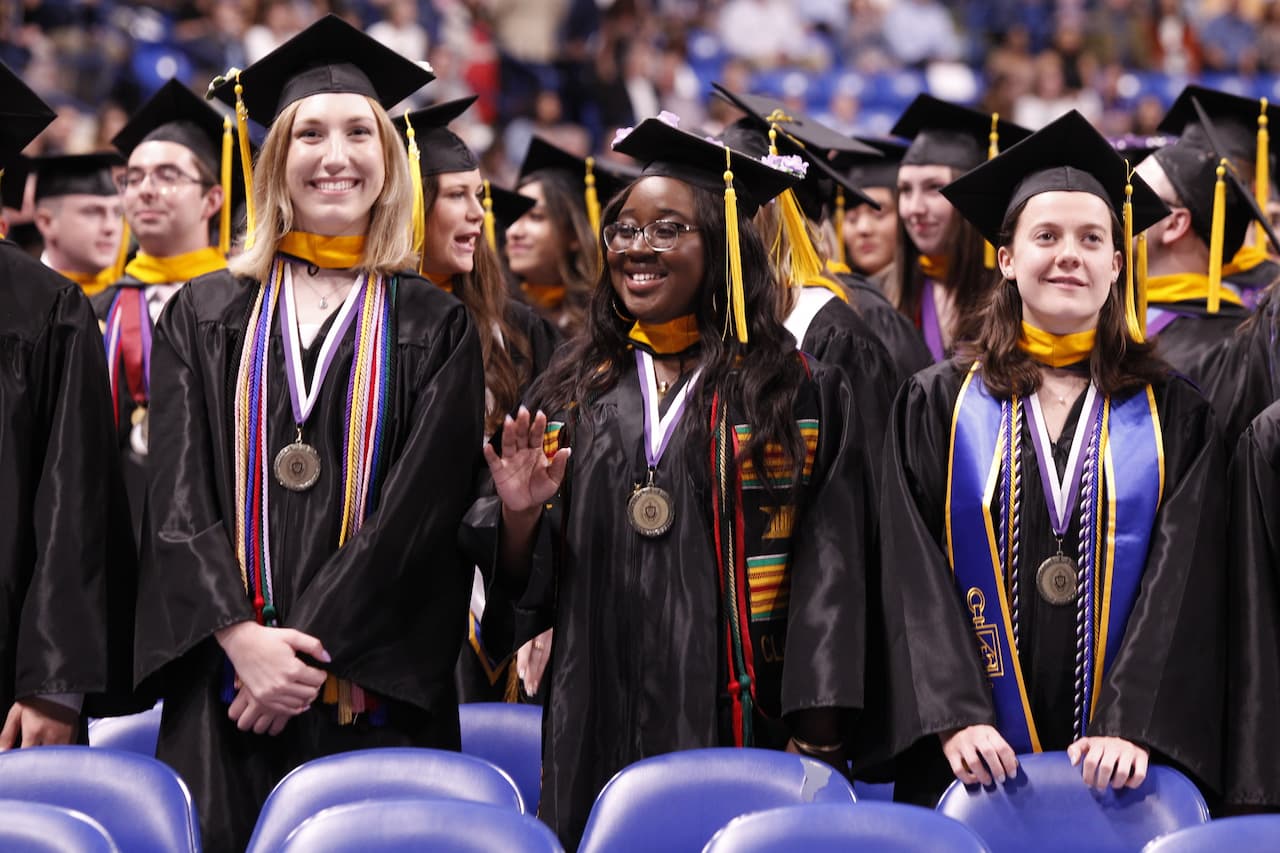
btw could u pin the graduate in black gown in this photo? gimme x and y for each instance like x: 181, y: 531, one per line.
x: 516, y: 343
x: 80, y: 218
x: 713, y: 518
x: 1055, y: 486
x: 317, y: 413
x: 67, y: 562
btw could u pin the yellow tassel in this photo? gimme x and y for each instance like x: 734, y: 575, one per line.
x: 592, y: 199
x: 224, y: 222
x: 737, y: 296
x: 1216, y: 238
x: 1141, y: 284
x: 490, y: 222
x: 246, y: 161
x: 1262, y: 179
x: 345, y: 710
x: 993, y: 150
x: 806, y: 264
x: 122, y: 252
x: 839, y: 223
x: 1131, y: 296
x: 415, y: 180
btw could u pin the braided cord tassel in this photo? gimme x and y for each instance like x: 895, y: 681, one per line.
x: 1085, y: 583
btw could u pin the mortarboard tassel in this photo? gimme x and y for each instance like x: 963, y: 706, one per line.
x: 839, y: 223
x: 805, y: 265
x: 592, y: 199
x: 1131, y: 296
x: 246, y: 159
x: 415, y: 179
x: 1262, y: 179
x: 737, y: 296
x: 993, y: 150
x: 1140, y: 306
x: 490, y: 223
x: 122, y: 253
x: 224, y: 221
x: 1216, y: 238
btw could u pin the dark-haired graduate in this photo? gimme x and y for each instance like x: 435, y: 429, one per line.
x: 516, y: 343
x: 1053, y: 510
x: 302, y: 400
x: 707, y: 455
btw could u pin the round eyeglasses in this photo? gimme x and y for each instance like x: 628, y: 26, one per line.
x: 165, y: 179
x: 660, y: 236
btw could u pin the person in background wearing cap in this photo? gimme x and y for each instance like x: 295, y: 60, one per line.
x: 66, y: 572
x: 945, y: 272
x: 1054, y: 484
x: 302, y: 400
x: 516, y: 343
x: 554, y: 249
x: 683, y: 351
x: 80, y: 218
x: 869, y: 233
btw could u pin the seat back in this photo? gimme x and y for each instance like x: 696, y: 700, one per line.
x: 1246, y: 834
x: 837, y: 827
x: 143, y: 805
x: 676, y: 802
x: 39, y: 828
x: 510, y: 736
x: 372, y: 774
x: 408, y: 826
x: 133, y: 733
x: 1048, y: 807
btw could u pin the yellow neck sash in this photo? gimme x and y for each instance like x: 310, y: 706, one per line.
x: 936, y: 267
x: 1246, y: 259
x: 1183, y: 287
x: 548, y: 297
x: 444, y: 282
x: 149, y: 269
x: 669, y: 338
x: 1056, y: 350
x: 91, y: 283
x: 328, y: 253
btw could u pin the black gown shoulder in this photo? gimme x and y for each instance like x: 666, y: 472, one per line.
x: 899, y: 335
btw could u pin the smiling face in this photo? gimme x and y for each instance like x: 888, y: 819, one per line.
x: 454, y: 223
x: 1064, y: 260
x: 168, y: 218
x: 870, y: 234
x: 658, y: 286
x: 925, y: 211
x: 334, y: 168
x: 534, y: 243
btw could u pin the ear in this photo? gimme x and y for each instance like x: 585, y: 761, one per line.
x: 212, y: 203
x: 1176, y: 226
x: 1004, y: 262
x: 43, y: 220
x: 1117, y: 262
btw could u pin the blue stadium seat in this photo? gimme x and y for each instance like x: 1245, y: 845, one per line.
x: 39, y: 828
x: 1249, y: 834
x: 408, y: 826
x: 1048, y: 808
x: 874, y: 791
x: 372, y: 774
x: 676, y: 802
x: 141, y: 802
x: 838, y: 827
x: 134, y: 733
x: 510, y: 736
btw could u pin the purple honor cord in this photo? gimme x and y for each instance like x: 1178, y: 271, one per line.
x: 1061, y: 495
x: 144, y: 331
x: 658, y: 430
x: 304, y: 398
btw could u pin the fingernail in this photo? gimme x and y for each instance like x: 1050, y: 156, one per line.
x: 324, y: 656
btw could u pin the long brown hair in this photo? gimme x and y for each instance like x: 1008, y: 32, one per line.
x: 1118, y: 362
x: 484, y: 292
x: 578, y: 268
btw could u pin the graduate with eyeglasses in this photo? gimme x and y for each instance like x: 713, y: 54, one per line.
x: 317, y: 413
x: 1054, y: 506
x: 704, y: 556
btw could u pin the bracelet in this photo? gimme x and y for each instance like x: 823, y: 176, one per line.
x: 812, y: 749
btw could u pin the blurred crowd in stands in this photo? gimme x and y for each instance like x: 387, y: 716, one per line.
x: 574, y: 70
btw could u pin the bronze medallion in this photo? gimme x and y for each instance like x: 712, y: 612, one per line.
x: 297, y: 466
x: 1057, y: 579
x: 651, y: 511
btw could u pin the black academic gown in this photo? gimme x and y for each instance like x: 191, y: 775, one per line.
x: 67, y: 564
x: 1253, y: 675
x: 1164, y: 690
x: 477, y: 681
x: 638, y: 666
x: 1239, y: 373
x: 1187, y: 341
x: 1255, y: 280
x: 898, y: 334
x: 389, y: 606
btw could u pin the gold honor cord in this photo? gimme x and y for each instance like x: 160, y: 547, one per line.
x: 993, y: 150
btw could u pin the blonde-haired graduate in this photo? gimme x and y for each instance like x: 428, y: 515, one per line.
x: 304, y: 400
x: 1053, y: 508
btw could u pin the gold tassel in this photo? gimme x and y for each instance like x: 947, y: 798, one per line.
x: 1141, y: 283
x: 415, y: 180
x: 122, y: 253
x: 1131, y: 296
x: 246, y: 161
x: 346, y: 713
x: 1216, y: 238
x: 490, y: 221
x: 993, y: 150
x: 839, y: 223
x: 1262, y: 179
x: 224, y: 222
x: 737, y: 296
x: 592, y: 199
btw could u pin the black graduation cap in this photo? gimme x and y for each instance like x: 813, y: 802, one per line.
x: 175, y: 114
x: 22, y: 115
x: 441, y: 150
x: 328, y: 56
x: 879, y: 171
x: 508, y: 205
x: 75, y: 174
x: 1135, y: 147
x: 1067, y: 154
x: 13, y: 183
x: 811, y: 133
x: 947, y: 134
x: 1235, y: 121
x: 541, y: 154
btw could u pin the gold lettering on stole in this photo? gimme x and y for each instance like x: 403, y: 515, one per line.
x: 772, y: 648
x: 988, y: 635
x: 781, y: 520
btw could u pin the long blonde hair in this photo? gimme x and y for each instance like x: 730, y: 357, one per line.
x: 388, y: 244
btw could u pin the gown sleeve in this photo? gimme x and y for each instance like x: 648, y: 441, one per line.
x: 1237, y: 374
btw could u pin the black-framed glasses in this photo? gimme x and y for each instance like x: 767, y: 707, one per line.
x: 165, y: 179
x: 660, y: 235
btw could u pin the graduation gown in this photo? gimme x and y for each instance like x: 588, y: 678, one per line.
x: 1253, y: 675
x: 67, y: 564
x: 1239, y: 373
x: 389, y: 606
x: 1187, y: 341
x: 638, y: 667
x: 898, y: 335
x: 1164, y: 686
